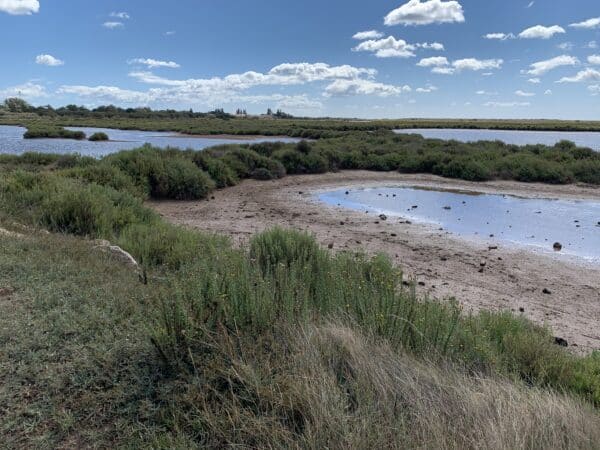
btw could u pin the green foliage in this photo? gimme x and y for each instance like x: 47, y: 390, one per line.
x: 163, y: 174
x: 219, y: 171
x: 247, y: 163
x: 288, y: 278
x: 160, y: 244
x: 66, y: 206
x: 281, y: 247
x: 105, y: 175
x: 100, y: 136
x: 41, y: 131
x: 17, y: 105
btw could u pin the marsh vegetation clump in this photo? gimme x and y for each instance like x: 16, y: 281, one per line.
x: 43, y: 131
x: 100, y: 136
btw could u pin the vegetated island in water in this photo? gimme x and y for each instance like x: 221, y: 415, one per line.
x: 131, y: 331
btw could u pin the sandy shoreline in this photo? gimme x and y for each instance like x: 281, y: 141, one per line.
x: 442, y: 265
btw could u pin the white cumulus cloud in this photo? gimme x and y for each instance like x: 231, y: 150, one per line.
x: 154, y: 63
x: 364, y: 35
x: 534, y: 81
x: 48, y: 60
x: 441, y: 66
x: 443, y: 70
x: 416, y: 12
x: 434, y: 61
x: 120, y: 15
x: 19, y: 7
x: 542, y: 67
x: 363, y: 87
x: 589, y: 24
x: 594, y: 59
x: 426, y: 90
x: 389, y: 47
x: 521, y: 93
x: 499, y: 36
x: 344, y: 80
x: 113, y: 25
x: 432, y: 46
x: 26, y: 90
x: 477, y: 64
x: 584, y: 76
x: 594, y: 89
x: 107, y: 94
x: 541, y: 32
x: 506, y: 104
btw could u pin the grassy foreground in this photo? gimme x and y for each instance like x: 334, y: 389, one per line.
x: 280, y: 344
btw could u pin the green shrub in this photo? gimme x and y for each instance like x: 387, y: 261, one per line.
x: 279, y: 246
x: 99, y: 136
x: 163, y: 174
x: 221, y: 173
x: 160, y: 244
x: 105, y: 175
x: 245, y: 161
x: 52, y: 132
x: 180, y: 179
x: 67, y: 206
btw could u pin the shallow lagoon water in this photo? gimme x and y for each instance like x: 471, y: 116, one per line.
x: 535, y: 224
x: 517, y: 137
x: 11, y: 141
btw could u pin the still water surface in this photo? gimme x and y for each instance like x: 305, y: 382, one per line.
x: 11, y: 141
x: 517, y: 137
x: 535, y: 224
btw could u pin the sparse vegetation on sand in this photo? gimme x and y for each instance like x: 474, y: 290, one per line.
x: 279, y: 344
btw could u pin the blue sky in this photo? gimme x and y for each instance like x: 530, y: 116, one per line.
x: 375, y: 59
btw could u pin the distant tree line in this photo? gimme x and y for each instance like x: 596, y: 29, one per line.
x: 18, y: 105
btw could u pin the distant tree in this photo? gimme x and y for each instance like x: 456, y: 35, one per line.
x: 269, y: 112
x: 17, y: 105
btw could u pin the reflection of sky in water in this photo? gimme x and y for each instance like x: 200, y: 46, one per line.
x: 518, y: 137
x: 531, y: 222
x: 11, y: 141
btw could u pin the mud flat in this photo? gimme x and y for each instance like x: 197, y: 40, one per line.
x: 559, y: 291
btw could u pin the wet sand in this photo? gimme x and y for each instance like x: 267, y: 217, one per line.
x: 442, y: 265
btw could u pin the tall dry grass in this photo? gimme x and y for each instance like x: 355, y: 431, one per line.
x: 331, y: 387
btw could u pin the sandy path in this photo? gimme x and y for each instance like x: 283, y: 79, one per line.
x: 443, y: 266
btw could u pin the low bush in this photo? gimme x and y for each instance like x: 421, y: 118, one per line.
x: 52, y: 132
x: 67, y: 206
x: 99, y: 136
x: 221, y: 173
x: 163, y: 174
x: 105, y: 175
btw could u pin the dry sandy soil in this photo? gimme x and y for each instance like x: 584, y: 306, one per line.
x: 442, y: 265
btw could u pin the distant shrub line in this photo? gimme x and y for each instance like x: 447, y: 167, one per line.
x: 186, y: 175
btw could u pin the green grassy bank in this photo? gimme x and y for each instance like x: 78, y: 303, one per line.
x: 279, y: 344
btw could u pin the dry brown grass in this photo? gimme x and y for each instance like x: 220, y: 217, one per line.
x: 330, y: 387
